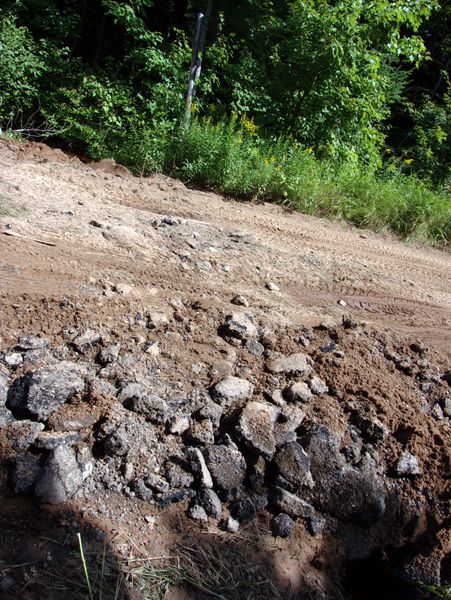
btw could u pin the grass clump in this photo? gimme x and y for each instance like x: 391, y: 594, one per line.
x: 230, y: 157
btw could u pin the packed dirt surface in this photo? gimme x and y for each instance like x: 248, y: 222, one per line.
x: 152, y: 335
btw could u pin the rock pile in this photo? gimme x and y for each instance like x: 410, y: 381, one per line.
x: 78, y: 417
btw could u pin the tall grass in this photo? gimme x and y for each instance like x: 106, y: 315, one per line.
x: 229, y: 157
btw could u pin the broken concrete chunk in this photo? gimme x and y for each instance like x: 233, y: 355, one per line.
x: 179, y: 425
x: 198, y: 513
x: 6, y: 416
x: 109, y: 354
x: 245, y: 510
x: 40, y: 393
x: 254, y: 347
x: 13, y: 359
x: 86, y: 340
x: 291, y: 504
x: 201, y: 432
x: 153, y: 407
x: 210, y: 502
x: 407, y: 465
x: 318, y: 386
x: 31, y: 342
x: 156, y: 483
x: 239, y: 325
x: 296, y: 364
x: 293, y: 464
x: 157, y: 319
x: 49, y: 440
x: 199, y: 467
x: 372, y: 429
x: 256, y: 427
x: 210, y: 411
x: 60, y: 477
x: 226, y: 465
x: 298, y: 392
x: 239, y: 300
x: 233, y: 389
x: 282, y: 525
x: 4, y: 380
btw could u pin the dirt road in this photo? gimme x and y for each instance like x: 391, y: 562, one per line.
x: 100, y: 221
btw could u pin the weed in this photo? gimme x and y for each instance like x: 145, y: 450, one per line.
x: 225, y: 157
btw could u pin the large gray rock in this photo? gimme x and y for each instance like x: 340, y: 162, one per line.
x: 246, y: 509
x: 48, y: 440
x: 132, y: 438
x: 226, y: 465
x: 201, y: 432
x: 232, y: 390
x: 60, y: 477
x: 6, y: 416
x: 239, y: 325
x: 298, y: 364
x: 349, y: 494
x: 40, y: 393
x: 293, y: 464
x: 109, y: 354
x: 31, y: 342
x: 256, y: 427
x: 318, y: 386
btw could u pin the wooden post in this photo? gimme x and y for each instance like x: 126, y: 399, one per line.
x: 196, y: 60
x: 194, y: 72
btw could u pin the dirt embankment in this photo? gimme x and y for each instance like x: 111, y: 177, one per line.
x: 179, y: 370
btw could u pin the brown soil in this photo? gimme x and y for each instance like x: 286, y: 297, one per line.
x: 99, y: 222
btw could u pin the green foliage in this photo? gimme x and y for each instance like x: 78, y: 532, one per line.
x: 227, y: 157
x: 330, y: 74
x: 430, y: 149
x: 20, y: 68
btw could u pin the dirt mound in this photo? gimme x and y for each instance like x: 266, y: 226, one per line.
x: 173, y: 376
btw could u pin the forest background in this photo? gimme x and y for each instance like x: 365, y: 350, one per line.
x: 336, y: 108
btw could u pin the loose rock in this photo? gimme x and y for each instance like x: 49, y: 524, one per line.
x: 60, y: 476
x: 282, y: 525
x: 239, y: 325
x: 25, y: 470
x: 296, y: 364
x: 41, y: 392
x: 239, y: 300
x: 199, y: 467
x: 226, y: 465
x: 318, y: 386
x: 232, y: 390
x: 86, y: 340
x: 407, y: 465
x: 256, y: 427
x: 298, y: 392
x: 210, y: 502
x: 198, y: 513
x: 293, y: 464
